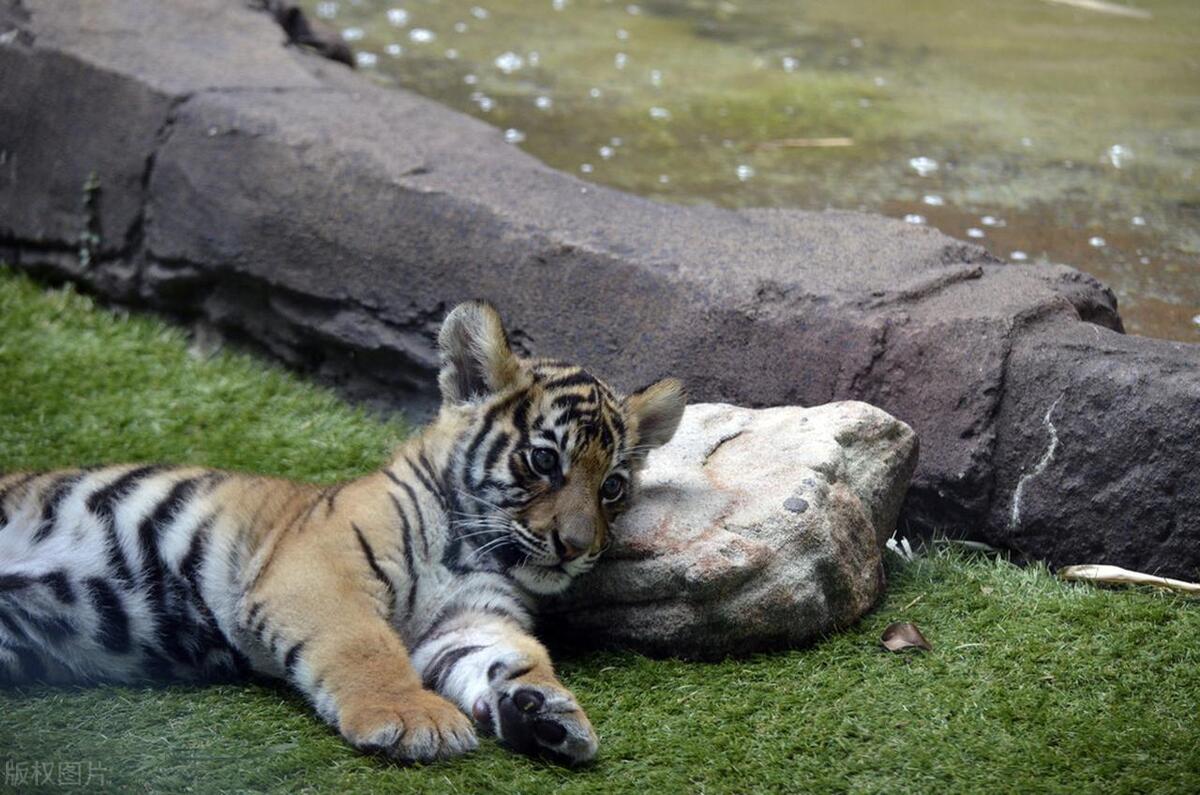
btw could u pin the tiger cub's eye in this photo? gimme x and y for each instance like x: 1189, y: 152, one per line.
x: 544, y: 460
x: 612, y: 488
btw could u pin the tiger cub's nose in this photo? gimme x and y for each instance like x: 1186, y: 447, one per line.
x: 566, y: 550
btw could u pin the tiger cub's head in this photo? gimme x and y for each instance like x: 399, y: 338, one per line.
x: 549, y: 454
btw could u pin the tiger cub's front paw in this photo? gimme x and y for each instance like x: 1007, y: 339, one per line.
x: 539, y: 718
x: 418, y: 726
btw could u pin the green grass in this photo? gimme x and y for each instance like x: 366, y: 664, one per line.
x: 1032, y: 684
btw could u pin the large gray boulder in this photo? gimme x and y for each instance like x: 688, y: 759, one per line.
x: 751, y: 529
x: 175, y: 154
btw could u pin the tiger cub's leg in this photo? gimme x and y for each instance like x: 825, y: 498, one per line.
x: 497, y: 672
x: 334, y: 646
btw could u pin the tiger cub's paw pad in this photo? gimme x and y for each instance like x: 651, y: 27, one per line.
x: 538, y: 720
x: 420, y: 727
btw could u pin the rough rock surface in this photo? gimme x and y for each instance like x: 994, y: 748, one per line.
x: 751, y: 529
x: 175, y: 154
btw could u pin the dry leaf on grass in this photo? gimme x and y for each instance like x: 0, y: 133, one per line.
x: 1115, y: 575
x: 901, y: 635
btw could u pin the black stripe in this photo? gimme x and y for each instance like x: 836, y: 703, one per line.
x: 412, y: 495
x: 163, y: 514
x: 14, y: 582
x: 103, y: 503
x: 426, y: 483
x: 570, y: 401
x: 58, y: 582
x: 113, y: 633
x: 374, y: 564
x: 443, y: 665
x: 331, y: 494
x: 292, y: 657
x: 171, y: 627
x: 58, y: 492
x: 489, y: 419
x: 437, y: 482
x: 493, y: 453
x: 574, y: 379
x: 408, y: 553
x: 191, y: 561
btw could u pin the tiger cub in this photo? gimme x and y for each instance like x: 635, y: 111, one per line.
x: 399, y: 604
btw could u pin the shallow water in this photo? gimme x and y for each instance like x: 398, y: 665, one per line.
x: 1046, y: 132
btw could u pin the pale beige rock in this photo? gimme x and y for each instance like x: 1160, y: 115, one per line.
x: 752, y: 529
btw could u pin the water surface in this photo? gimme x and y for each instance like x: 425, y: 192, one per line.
x: 1046, y: 132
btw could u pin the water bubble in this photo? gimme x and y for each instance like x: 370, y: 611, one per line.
x: 790, y: 64
x: 744, y: 172
x: 1026, y: 142
x: 615, y: 141
x: 327, y: 10
x: 879, y: 82
x: 633, y: 10
x: 543, y: 103
x: 975, y: 232
x: 924, y: 166
x: 509, y: 62
x: 486, y: 104
x: 622, y: 34
x: 1196, y: 320
x: 394, y: 50
x: 620, y: 59
x: 461, y: 27
x: 514, y: 136
x: 1144, y: 260
x: 353, y: 34
x: 1138, y: 220
x: 558, y: 5
x: 452, y: 54
x: 1117, y: 155
x: 933, y: 200
x: 533, y: 58
x: 606, y: 152
x: 662, y: 114
x: 655, y: 78
x: 397, y: 17
x: 991, y: 220
x: 595, y: 93
x: 864, y: 103
x: 856, y: 43
x: 421, y: 35
x: 914, y: 218
x: 479, y: 13
x: 366, y: 60
x: 1097, y: 242
x: 470, y: 79
x: 663, y: 179
x: 586, y: 168
x: 1018, y: 256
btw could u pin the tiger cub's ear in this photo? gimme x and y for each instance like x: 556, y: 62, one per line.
x: 656, y: 411
x: 477, y: 360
